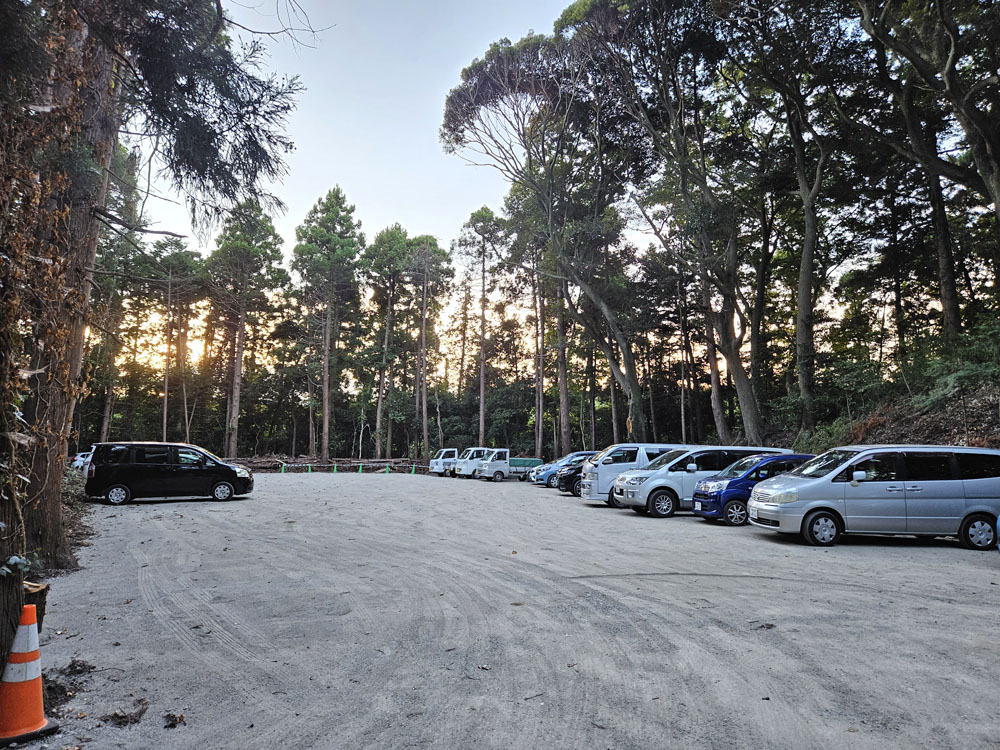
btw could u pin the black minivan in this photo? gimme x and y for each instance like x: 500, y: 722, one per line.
x: 120, y: 472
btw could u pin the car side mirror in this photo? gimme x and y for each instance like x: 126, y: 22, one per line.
x: 858, y: 476
x: 692, y: 467
x: 607, y: 461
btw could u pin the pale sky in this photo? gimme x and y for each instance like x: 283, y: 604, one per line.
x: 375, y: 85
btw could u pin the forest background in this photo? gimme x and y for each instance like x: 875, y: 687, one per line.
x: 818, y: 188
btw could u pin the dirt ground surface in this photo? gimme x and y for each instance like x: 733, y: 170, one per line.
x: 395, y: 611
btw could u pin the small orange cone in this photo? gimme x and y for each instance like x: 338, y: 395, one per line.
x: 22, y: 715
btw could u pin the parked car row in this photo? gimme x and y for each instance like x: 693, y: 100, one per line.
x: 495, y: 464
x: 859, y: 489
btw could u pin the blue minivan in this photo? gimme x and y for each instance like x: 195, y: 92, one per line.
x: 726, y: 494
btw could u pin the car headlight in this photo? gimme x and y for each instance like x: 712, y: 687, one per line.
x: 716, y: 486
x: 783, y: 497
x: 242, y: 473
x: 635, y: 481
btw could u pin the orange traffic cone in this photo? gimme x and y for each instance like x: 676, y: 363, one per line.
x: 22, y: 715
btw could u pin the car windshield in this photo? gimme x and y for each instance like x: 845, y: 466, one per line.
x: 440, y: 454
x: 576, y: 460
x: 489, y: 455
x: 212, y: 456
x: 739, y: 468
x: 466, y: 453
x: 597, y: 459
x: 666, y: 458
x: 823, y: 464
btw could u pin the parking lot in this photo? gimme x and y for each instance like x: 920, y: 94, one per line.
x: 346, y: 610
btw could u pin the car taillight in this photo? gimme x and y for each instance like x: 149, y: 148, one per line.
x: 90, y: 471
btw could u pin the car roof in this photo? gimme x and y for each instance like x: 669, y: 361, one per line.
x: 903, y: 446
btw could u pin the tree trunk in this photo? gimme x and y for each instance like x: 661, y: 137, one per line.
x: 166, y: 360
x: 381, y: 376
x: 437, y: 404
x: 718, y: 407
x: 311, y: 393
x: 233, y: 422
x: 592, y: 397
x: 482, y: 353
x: 107, y: 412
x: 539, y: 371
x: 951, y: 319
x: 324, y: 435
x: 423, y: 368
x: 762, y: 272
x: 615, y: 435
x: 565, y: 438
x: 63, y: 366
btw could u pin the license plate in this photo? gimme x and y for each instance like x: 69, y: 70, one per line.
x: 697, y: 505
x: 753, y: 513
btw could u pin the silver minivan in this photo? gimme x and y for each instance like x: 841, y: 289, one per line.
x: 924, y: 490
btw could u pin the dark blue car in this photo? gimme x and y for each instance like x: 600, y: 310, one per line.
x: 726, y: 494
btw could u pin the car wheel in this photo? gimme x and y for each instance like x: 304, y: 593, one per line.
x: 552, y: 482
x: 497, y: 476
x: 222, y: 491
x: 978, y: 532
x: 662, y: 504
x: 117, y: 494
x: 578, y: 487
x: 452, y: 473
x: 821, y: 528
x: 522, y: 478
x: 735, y: 513
x: 612, y: 501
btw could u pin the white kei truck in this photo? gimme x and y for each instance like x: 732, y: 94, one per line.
x: 497, y: 465
x: 468, y: 462
x: 443, y: 463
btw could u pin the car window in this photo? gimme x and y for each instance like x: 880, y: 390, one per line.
x: 739, y: 468
x: 666, y: 458
x: 152, y: 454
x: 925, y: 467
x: 188, y: 457
x: 708, y: 461
x: 882, y: 467
x: 500, y: 456
x: 824, y: 463
x: 117, y: 454
x: 978, y: 465
x: 624, y: 455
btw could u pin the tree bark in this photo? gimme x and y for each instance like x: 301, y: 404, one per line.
x: 615, y: 435
x: 324, y: 435
x: 381, y: 376
x: 718, y: 407
x: 482, y: 352
x: 55, y: 395
x: 423, y: 368
x: 951, y: 319
x: 564, y: 429
x: 233, y: 421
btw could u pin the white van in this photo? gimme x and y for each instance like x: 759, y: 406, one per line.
x: 468, y: 462
x: 600, y: 471
x: 921, y: 490
x: 444, y: 462
x: 667, y: 484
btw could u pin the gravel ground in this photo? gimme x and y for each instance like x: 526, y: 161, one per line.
x: 396, y: 611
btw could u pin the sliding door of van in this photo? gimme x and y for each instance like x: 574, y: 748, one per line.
x: 878, y: 503
x: 935, y: 498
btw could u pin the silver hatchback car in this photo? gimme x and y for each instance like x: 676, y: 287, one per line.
x: 924, y: 490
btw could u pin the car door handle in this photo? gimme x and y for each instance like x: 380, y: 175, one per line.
x: 914, y: 488
x: 893, y: 489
